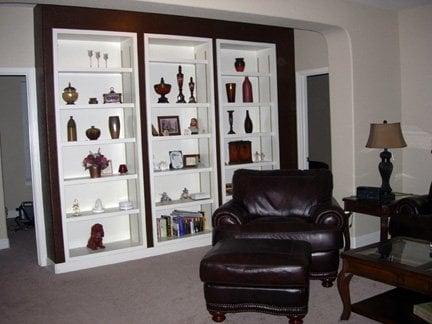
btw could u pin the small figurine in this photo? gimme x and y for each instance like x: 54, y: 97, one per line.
x: 257, y: 156
x: 96, y: 237
x: 165, y: 198
x: 187, y: 132
x: 76, y: 208
x: 98, y: 208
x: 262, y: 156
x: 185, y: 194
x: 193, y: 126
x: 163, y: 166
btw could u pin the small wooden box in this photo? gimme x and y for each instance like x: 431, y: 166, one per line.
x: 240, y: 152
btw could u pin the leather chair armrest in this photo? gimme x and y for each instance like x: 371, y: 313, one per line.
x: 231, y: 212
x: 414, y: 206
x: 330, y: 214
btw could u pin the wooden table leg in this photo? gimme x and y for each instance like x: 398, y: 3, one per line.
x: 343, y: 281
x: 346, y: 232
x: 384, y: 227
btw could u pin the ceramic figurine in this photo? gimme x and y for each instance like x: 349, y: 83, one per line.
x: 163, y: 166
x: 76, y: 208
x: 262, y: 156
x: 193, y: 126
x: 185, y: 194
x: 257, y: 156
x: 165, y: 198
x: 98, y: 208
x: 96, y: 237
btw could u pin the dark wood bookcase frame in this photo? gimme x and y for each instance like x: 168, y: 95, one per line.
x: 47, y: 17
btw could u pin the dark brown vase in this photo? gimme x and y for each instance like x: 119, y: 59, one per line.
x: 239, y: 64
x: 248, y: 123
x: 93, y: 133
x: 71, y: 130
x: 231, y: 91
x: 95, y: 171
x: 247, y: 90
x: 114, y: 126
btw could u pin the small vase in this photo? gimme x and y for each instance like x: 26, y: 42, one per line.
x: 71, y: 130
x: 247, y: 90
x: 239, y: 64
x: 93, y: 133
x: 95, y: 171
x: 114, y: 126
x: 248, y: 123
x: 231, y: 120
x: 231, y: 91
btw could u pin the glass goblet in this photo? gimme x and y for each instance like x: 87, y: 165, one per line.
x: 98, y: 57
x: 90, y: 54
x: 105, y: 57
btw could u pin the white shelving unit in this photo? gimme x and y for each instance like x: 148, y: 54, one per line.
x: 260, y: 68
x: 163, y: 55
x: 124, y: 229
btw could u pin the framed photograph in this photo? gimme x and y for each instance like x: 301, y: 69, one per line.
x: 176, y: 159
x: 191, y: 160
x: 169, y: 125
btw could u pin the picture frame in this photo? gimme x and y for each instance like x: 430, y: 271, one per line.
x: 191, y: 160
x: 176, y: 160
x: 169, y: 125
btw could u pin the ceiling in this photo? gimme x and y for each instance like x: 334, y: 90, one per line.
x: 393, y: 4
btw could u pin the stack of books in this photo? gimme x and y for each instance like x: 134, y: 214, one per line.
x: 180, y: 223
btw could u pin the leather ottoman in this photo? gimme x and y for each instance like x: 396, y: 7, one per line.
x: 269, y: 276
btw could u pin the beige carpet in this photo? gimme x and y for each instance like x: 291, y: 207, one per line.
x: 161, y: 290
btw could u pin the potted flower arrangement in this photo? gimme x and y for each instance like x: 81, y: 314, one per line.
x: 95, y: 162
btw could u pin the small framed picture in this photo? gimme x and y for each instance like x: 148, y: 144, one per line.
x: 191, y: 160
x: 176, y: 159
x: 169, y: 125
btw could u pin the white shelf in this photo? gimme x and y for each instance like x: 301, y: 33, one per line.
x: 179, y: 106
x: 180, y: 137
x: 247, y: 135
x: 100, y: 142
x: 96, y: 106
x: 177, y: 61
x: 94, y: 70
x: 182, y: 204
x: 88, y: 180
x: 246, y: 104
x: 108, y: 212
x: 249, y: 165
x: 245, y: 74
x: 109, y: 247
x: 182, y: 171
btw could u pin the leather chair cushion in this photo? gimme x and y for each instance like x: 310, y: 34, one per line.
x: 265, y: 263
x: 321, y: 237
x: 282, y: 192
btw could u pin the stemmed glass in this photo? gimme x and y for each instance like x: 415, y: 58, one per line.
x: 90, y: 54
x: 105, y: 57
x: 98, y: 57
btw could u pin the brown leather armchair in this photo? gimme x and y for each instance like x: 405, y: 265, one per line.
x: 286, y: 205
x: 413, y: 217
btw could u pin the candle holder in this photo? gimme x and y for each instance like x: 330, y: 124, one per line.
x: 180, y: 78
x: 231, y: 120
x: 191, y: 88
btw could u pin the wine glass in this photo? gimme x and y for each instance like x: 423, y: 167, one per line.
x: 105, y: 57
x: 98, y: 57
x: 90, y: 54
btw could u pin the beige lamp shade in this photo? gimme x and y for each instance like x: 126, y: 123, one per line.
x: 385, y: 135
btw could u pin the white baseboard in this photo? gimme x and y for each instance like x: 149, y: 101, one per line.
x: 366, y: 239
x: 4, y: 244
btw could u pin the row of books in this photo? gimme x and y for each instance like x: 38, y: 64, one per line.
x: 180, y: 223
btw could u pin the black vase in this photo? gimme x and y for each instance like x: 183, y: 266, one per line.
x: 248, y: 123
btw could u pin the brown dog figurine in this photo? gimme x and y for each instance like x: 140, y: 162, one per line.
x: 96, y: 237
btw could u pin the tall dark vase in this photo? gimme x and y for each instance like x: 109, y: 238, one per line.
x: 231, y: 120
x: 114, y: 126
x: 248, y: 123
x: 239, y: 64
x: 247, y: 90
x: 71, y: 130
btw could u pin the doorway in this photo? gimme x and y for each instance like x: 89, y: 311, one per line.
x: 313, y: 119
x: 19, y: 147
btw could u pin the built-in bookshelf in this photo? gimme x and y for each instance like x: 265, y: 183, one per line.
x: 258, y: 62
x: 181, y: 154
x: 95, y: 63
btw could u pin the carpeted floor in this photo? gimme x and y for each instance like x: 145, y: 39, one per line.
x: 162, y: 290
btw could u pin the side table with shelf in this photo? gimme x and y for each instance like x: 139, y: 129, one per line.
x: 383, y: 210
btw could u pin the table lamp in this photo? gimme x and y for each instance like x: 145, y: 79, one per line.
x: 385, y: 136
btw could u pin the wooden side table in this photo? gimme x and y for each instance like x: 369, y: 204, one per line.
x: 383, y: 210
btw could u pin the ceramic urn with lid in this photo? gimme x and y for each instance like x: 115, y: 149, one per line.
x: 70, y: 95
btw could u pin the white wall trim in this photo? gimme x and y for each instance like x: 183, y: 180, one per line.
x: 365, y: 239
x: 4, y: 244
x: 302, y: 115
x: 30, y: 75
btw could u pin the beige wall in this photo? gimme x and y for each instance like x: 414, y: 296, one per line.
x: 415, y: 27
x: 310, y: 50
x: 364, y: 67
x: 12, y: 144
